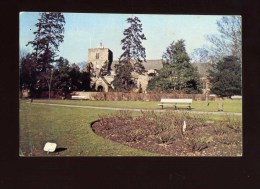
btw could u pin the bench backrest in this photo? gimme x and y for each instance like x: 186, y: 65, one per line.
x: 78, y: 97
x: 185, y: 100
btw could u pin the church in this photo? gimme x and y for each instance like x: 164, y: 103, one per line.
x: 103, y: 71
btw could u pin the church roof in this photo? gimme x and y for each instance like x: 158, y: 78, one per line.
x: 157, y: 64
x: 148, y: 65
x: 202, y: 68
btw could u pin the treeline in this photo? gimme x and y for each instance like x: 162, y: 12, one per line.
x: 63, y: 77
x: 42, y: 69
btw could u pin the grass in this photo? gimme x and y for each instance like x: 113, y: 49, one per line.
x: 70, y: 128
x: 229, y: 105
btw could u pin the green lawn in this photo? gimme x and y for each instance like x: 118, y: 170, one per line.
x: 70, y: 128
x: 229, y: 105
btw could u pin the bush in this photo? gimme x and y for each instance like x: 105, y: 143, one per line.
x: 198, y: 144
x: 151, y: 96
x: 166, y: 128
x: 227, y: 140
x: 220, y: 128
x: 233, y: 122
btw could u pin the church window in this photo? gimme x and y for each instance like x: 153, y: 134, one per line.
x: 97, y: 55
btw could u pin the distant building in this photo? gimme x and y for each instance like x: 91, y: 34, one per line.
x: 101, y: 60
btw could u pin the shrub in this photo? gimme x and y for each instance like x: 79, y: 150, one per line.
x: 220, y: 128
x: 167, y: 137
x: 226, y: 139
x: 233, y: 122
x: 198, y: 144
x: 133, y: 135
x: 197, y: 120
x: 166, y: 128
x: 150, y: 96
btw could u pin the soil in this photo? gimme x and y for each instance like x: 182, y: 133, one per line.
x: 197, y: 140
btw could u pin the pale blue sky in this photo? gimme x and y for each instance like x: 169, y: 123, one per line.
x: 86, y: 30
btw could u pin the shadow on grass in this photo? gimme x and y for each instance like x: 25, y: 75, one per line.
x: 60, y: 149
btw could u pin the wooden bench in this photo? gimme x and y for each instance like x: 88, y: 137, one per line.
x: 236, y: 97
x: 79, y: 98
x: 175, y: 102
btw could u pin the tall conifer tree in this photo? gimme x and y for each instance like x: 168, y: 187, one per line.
x: 132, y: 57
x: 177, y: 72
x: 48, y: 36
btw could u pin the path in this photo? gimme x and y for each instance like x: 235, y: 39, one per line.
x: 131, y: 109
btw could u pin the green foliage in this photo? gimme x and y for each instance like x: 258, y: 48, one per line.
x: 225, y: 77
x: 76, y: 77
x: 132, y: 42
x: 61, y: 73
x: 48, y: 36
x: 123, y: 79
x: 27, y: 72
x: 177, y: 72
x: 132, y: 57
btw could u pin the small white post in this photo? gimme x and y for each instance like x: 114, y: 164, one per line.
x: 184, y: 126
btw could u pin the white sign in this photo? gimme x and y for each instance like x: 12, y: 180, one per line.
x: 50, y: 147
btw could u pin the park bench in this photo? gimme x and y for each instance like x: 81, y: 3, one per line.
x: 79, y: 98
x: 236, y: 97
x: 175, y: 102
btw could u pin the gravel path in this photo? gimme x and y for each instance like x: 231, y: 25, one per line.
x: 131, y: 109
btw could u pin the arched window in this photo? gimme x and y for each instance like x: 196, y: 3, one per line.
x: 100, y: 88
x: 97, y: 55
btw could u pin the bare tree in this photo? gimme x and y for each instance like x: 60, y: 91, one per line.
x: 200, y: 55
x: 229, y: 40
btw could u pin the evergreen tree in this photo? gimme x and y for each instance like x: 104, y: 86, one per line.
x: 225, y: 77
x: 62, y: 79
x: 48, y: 36
x: 27, y: 73
x: 123, y: 79
x: 76, y: 77
x: 177, y: 72
x: 132, y: 57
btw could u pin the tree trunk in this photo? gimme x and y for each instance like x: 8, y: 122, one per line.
x: 49, y: 92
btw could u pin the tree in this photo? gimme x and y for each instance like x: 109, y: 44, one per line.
x: 177, y: 72
x: 75, y: 77
x: 225, y: 77
x: 123, y: 79
x: 229, y: 40
x: 132, y: 57
x: 27, y: 73
x: 62, y: 77
x: 88, y: 73
x: 201, y: 55
x: 48, y: 36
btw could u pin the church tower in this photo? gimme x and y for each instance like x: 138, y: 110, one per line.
x: 99, y: 57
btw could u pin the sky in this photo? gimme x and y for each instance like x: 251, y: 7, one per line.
x: 87, y: 30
